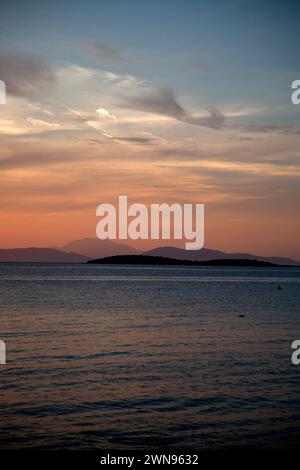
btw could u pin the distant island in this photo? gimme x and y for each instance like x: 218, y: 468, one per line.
x: 161, y: 260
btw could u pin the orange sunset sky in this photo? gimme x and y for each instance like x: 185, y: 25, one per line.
x: 162, y: 115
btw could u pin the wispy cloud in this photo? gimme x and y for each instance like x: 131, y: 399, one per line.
x: 163, y: 101
x: 136, y: 140
x: 40, y: 123
x: 26, y: 76
x: 279, y: 129
x: 103, y: 53
x: 105, y: 114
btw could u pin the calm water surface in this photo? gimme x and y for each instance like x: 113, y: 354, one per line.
x: 141, y: 357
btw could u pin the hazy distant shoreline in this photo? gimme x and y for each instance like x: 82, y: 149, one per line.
x: 91, y: 249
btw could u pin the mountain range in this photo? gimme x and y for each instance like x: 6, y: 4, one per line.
x: 207, y: 254
x: 80, y: 251
x: 40, y: 255
x: 95, y: 248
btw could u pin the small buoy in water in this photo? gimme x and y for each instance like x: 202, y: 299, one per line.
x: 241, y: 316
x: 279, y: 287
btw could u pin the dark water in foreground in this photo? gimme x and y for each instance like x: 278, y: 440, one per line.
x: 141, y: 357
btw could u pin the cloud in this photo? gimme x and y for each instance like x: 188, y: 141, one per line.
x: 179, y: 152
x: 103, y: 53
x: 159, y: 101
x: 163, y: 101
x: 40, y: 123
x: 26, y: 76
x: 80, y: 116
x: 38, y: 108
x: 105, y: 114
x: 136, y: 140
x: 36, y: 155
x: 215, y: 119
x: 280, y: 129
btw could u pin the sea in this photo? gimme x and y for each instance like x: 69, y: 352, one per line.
x: 143, y: 357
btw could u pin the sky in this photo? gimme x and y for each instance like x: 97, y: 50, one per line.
x: 169, y: 101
